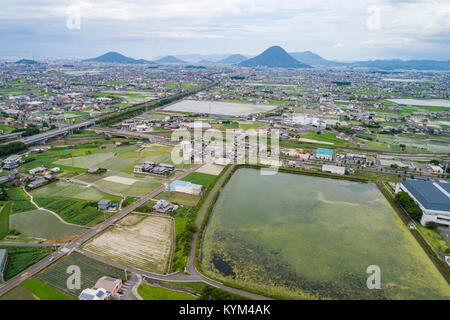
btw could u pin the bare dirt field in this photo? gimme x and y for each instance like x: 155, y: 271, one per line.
x: 136, y: 241
x: 211, y: 168
x: 121, y: 180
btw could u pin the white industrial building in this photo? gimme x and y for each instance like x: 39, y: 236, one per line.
x: 333, y: 169
x: 432, y: 197
x: 186, y: 187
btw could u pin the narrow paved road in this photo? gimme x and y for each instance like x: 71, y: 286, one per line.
x: 26, y: 244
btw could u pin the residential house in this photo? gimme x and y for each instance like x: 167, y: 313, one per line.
x: 163, y: 206
x: 111, y: 285
x: 104, y: 204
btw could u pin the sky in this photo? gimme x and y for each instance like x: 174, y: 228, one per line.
x: 336, y: 30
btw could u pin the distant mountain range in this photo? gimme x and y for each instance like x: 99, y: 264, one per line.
x: 26, y: 61
x: 233, y: 59
x: 277, y: 57
x: 114, y: 57
x: 274, y: 57
x: 402, y: 64
x: 313, y: 59
x: 170, y: 59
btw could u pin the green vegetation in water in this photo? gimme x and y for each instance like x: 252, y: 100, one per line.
x: 313, y: 238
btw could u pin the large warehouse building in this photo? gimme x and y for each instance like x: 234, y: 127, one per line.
x: 432, y: 197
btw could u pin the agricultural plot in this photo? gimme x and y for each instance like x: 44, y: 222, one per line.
x: 69, y: 190
x: 43, y: 291
x: 88, y: 161
x: 74, y: 211
x: 179, y: 198
x: 20, y: 258
x: 136, y: 241
x: 18, y: 293
x: 220, y: 108
x: 17, y: 194
x: 42, y: 224
x: 120, y: 166
x: 122, y: 180
x: 56, y: 275
x: 414, y: 143
x: 4, y: 219
x: 144, y: 184
x: 22, y: 206
x: 314, y: 238
x: 210, y: 168
x: 157, y: 293
x: 325, y: 138
x: 203, y: 179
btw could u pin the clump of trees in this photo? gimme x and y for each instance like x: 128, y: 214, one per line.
x: 11, y: 148
x: 431, y: 225
x: 31, y: 130
x: 409, y: 205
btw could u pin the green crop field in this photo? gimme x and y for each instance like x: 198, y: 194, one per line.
x: 157, y: 293
x: 326, y: 137
x: 203, y: 179
x: 20, y: 258
x: 17, y: 194
x: 42, y: 224
x: 18, y: 293
x: 179, y: 198
x: 70, y: 190
x: 314, y: 238
x: 128, y: 201
x: 56, y: 275
x: 22, y: 206
x: 43, y: 291
x: 75, y: 211
x: 4, y: 219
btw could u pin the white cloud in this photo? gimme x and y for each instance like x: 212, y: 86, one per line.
x: 299, y: 24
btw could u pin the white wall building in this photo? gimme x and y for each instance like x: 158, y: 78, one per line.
x: 432, y: 197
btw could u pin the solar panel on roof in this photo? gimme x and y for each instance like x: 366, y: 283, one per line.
x: 86, y: 296
x: 100, y: 294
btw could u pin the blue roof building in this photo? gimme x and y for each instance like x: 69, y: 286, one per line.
x: 432, y: 197
x: 186, y: 187
x: 322, y: 153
